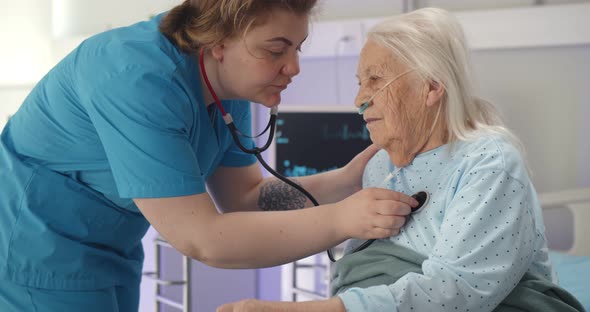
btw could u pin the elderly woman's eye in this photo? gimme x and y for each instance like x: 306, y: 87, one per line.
x: 369, y: 79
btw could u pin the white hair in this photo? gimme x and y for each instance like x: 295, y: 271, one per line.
x: 431, y: 41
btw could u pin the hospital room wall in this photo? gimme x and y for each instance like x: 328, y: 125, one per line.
x: 25, y: 50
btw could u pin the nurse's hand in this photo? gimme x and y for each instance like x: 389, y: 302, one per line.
x: 373, y: 213
x: 352, y: 173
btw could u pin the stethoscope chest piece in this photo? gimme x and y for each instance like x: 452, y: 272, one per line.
x: 422, y: 198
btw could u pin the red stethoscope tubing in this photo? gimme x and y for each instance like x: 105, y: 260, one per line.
x: 202, y: 63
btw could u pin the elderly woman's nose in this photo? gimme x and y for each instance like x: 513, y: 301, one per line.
x: 362, y: 96
x: 359, y: 101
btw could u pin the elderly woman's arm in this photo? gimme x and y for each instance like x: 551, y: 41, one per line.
x: 330, y: 305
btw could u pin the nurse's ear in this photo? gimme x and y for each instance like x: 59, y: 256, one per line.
x: 217, y: 52
x: 436, y: 91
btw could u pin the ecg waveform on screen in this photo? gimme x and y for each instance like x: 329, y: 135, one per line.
x: 311, y: 143
x: 344, y: 133
x: 299, y: 171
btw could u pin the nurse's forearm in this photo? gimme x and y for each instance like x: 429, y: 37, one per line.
x: 264, y: 239
x: 326, y: 188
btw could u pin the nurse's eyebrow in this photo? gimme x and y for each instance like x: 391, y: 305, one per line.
x: 281, y: 39
x: 284, y: 40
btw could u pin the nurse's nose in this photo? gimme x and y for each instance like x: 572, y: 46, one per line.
x: 291, y: 68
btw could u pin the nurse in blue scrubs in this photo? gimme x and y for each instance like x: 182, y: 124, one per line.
x: 121, y: 134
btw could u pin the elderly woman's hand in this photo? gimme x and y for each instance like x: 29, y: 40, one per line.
x: 333, y: 304
x: 247, y: 305
x: 352, y: 173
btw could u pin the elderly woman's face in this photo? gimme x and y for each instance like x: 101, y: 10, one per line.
x: 396, y: 118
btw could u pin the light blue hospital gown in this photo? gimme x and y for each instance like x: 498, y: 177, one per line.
x: 481, y: 229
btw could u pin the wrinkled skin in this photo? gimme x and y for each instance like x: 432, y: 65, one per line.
x: 400, y: 117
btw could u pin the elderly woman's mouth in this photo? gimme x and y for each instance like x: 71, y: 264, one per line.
x: 370, y: 120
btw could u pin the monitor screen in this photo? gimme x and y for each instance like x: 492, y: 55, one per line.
x: 309, y: 142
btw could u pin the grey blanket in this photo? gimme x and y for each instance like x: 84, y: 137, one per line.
x: 383, y: 263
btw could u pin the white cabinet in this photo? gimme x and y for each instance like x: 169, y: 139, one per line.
x: 522, y: 27
x: 333, y: 38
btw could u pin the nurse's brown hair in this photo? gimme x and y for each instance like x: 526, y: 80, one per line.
x: 197, y: 23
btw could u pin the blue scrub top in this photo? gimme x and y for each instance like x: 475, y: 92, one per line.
x: 121, y: 117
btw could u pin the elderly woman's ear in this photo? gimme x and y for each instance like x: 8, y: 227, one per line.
x: 436, y: 91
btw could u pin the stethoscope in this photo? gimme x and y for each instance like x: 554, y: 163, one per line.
x: 421, y: 197
x: 235, y: 133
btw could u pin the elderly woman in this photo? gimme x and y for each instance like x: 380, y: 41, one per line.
x: 478, y: 243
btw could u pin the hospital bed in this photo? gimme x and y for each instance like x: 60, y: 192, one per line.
x: 571, y: 264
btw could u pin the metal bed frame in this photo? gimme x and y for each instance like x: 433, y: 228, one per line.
x: 185, y: 282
